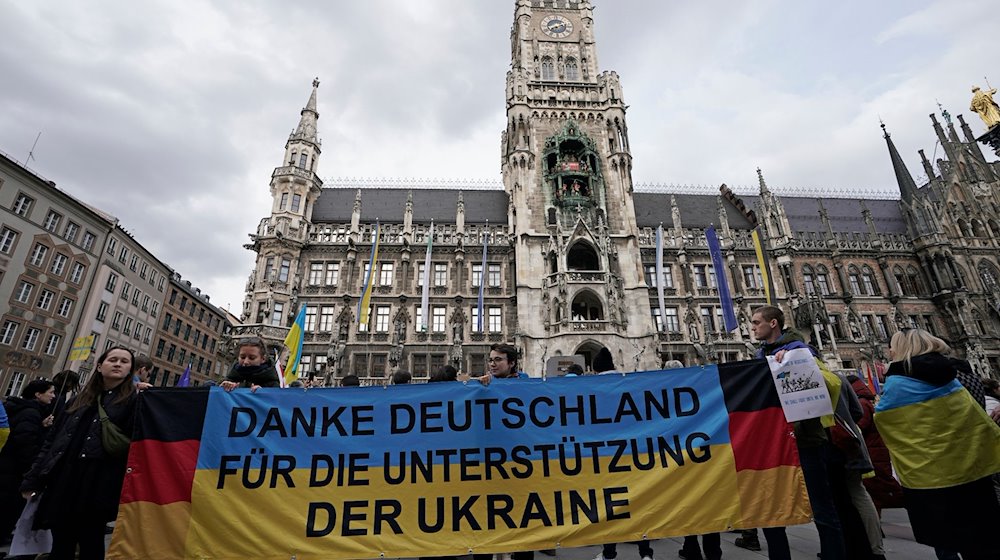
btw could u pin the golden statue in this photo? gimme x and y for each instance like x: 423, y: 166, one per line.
x: 982, y: 103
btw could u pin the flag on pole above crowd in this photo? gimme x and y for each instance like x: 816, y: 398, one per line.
x: 185, y: 380
x: 426, y: 293
x: 721, y: 281
x: 482, y: 278
x: 659, y: 278
x: 294, y: 344
x: 364, y: 304
x: 764, y: 264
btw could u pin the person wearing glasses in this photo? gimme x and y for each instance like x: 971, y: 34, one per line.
x: 502, y: 364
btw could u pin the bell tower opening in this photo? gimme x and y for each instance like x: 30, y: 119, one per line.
x: 582, y: 256
x: 587, y: 307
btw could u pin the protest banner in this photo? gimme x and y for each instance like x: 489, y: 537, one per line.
x: 447, y: 468
x: 800, y: 385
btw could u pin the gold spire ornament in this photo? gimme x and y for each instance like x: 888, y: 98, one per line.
x: 983, y: 104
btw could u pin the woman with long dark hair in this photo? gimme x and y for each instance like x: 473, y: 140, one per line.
x: 80, y: 482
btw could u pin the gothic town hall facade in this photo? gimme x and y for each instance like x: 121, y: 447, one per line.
x: 571, y: 245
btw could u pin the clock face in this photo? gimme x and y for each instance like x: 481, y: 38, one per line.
x: 556, y: 26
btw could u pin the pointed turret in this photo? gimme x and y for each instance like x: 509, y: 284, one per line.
x: 907, y: 187
x: 763, y: 185
x: 307, y: 123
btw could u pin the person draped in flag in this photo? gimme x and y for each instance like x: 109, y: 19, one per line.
x: 252, y: 368
x: 944, y: 446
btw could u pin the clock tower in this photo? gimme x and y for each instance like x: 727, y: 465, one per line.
x: 567, y: 170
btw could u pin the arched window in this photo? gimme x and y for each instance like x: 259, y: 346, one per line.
x: 854, y: 279
x: 916, y: 283
x: 989, y: 275
x: 823, y: 280
x: 548, y: 68
x: 572, y: 70
x: 994, y: 228
x: 902, y: 282
x: 978, y: 319
x: 808, y: 280
x: 587, y: 307
x: 582, y: 256
x: 869, y: 281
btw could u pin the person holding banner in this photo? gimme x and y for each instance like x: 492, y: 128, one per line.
x: 944, y: 446
x: 252, y: 368
x: 80, y: 481
x: 502, y: 364
x: 604, y: 364
x: 815, y: 453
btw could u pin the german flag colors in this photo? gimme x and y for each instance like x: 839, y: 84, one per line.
x: 448, y: 468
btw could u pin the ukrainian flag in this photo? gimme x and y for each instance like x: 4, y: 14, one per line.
x: 364, y: 305
x: 938, y: 437
x: 294, y: 344
x: 4, y: 426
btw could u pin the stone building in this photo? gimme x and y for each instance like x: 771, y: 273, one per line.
x: 124, y: 305
x: 50, y: 246
x: 190, y: 333
x: 569, y: 244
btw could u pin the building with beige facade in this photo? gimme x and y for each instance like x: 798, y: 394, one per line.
x: 50, y: 247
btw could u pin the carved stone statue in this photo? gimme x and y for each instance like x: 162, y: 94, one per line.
x: 983, y: 104
x: 400, y: 332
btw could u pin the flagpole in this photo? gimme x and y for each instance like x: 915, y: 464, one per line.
x: 659, y: 277
x: 482, y: 279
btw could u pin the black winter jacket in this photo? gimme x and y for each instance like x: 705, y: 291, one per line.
x: 67, y: 425
x: 26, y: 436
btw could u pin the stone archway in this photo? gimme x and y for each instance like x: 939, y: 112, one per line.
x: 588, y: 350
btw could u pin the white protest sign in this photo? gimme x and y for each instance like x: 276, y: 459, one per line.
x: 800, y: 385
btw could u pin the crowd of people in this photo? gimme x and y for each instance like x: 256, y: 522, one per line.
x: 930, y: 443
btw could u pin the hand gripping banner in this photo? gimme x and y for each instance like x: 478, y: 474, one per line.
x: 447, y: 468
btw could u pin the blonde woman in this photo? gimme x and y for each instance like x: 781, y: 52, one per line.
x: 943, y: 445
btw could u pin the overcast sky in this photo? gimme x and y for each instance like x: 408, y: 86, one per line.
x: 172, y: 115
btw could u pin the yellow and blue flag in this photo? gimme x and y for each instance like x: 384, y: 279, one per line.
x: 4, y: 426
x: 364, y: 304
x: 294, y: 344
x: 938, y: 437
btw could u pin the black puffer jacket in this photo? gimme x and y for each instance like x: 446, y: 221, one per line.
x: 26, y: 436
x: 66, y: 429
x: 264, y: 375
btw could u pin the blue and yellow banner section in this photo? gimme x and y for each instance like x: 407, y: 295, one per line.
x: 938, y: 437
x: 447, y: 468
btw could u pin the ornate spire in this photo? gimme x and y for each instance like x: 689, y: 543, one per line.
x: 760, y: 179
x: 307, y: 124
x: 907, y: 188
